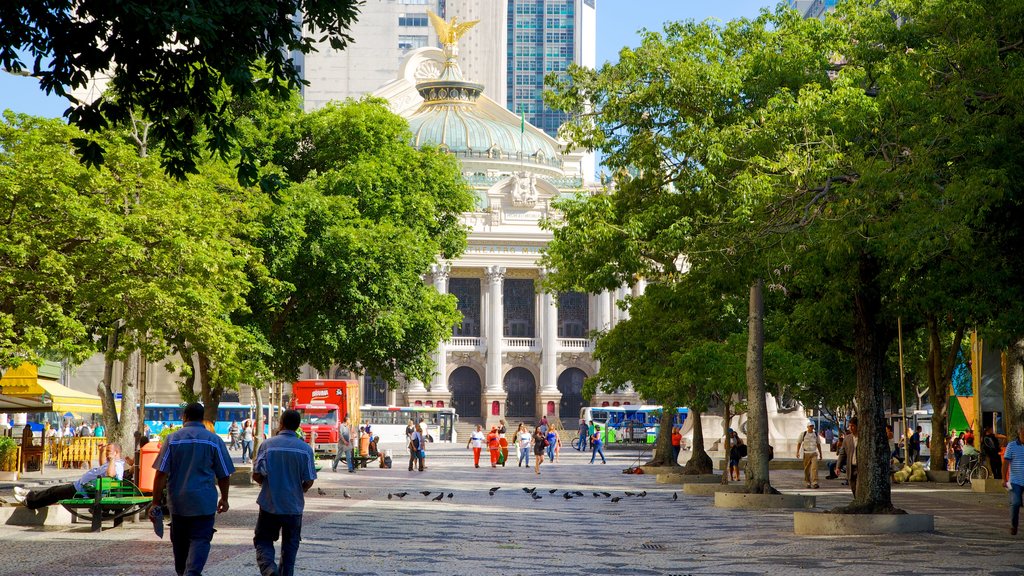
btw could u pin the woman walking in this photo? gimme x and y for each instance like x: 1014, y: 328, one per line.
x: 247, y: 436
x: 539, y: 444
x: 524, y: 440
x: 476, y: 440
x: 417, y: 449
x: 596, y: 445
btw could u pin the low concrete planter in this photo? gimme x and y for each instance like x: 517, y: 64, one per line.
x: 685, y: 479
x: 988, y: 486
x: 660, y: 470
x: 712, y: 489
x: 241, y: 477
x: 48, y: 516
x: 942, y: 476
x: 762, y: 501
x: 822, y: 524
x: 781, y: 464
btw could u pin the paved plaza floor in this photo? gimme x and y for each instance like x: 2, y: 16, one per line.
x: 510, y: 533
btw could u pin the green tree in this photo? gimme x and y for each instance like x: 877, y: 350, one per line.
x: 346, y: 246
x: 176, y: 62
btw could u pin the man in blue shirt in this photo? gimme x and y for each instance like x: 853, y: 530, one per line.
x: 1013, y: 472
x: 192, y: 464
x: 284, y: 468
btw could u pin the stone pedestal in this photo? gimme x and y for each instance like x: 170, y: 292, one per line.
x: 425, y: 396
x: 942, y: 476
x: 553, y: 396
x: 762, y: 501
x: 48, y: 516
x: 988, y: 486
x: 821, y: 524
x: 712, y: 489
x: 684, y: 479
x: 491, y: 419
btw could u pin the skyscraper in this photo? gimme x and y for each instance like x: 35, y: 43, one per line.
x: 812, y: 8
x: 515, y: 45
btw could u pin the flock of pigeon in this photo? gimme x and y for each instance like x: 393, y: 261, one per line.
x: 532, y: 492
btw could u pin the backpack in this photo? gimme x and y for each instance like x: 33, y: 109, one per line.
x: 989, y: 445
x: 415, y: 443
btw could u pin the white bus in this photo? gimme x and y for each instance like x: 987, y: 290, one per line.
x: 389, y: 422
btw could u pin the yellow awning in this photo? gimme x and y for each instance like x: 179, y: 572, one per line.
x: 24, y: 382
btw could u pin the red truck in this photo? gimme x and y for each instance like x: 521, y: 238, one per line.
x: 322, y: 403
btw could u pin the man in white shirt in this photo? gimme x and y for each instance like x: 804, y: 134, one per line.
x: 111, y: 466
x: 809, y: 446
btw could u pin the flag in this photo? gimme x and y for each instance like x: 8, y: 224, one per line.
x: 522, y: 121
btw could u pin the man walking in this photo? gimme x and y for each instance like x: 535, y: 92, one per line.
x: 284, y: 469
x: 810, y: 448
x: 584, y: 432
x: 850, y: 449
x: 1013, y: 472
x: 344, y: 445
x: 192, y: 464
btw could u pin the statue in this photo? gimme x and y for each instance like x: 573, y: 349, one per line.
x: 524, y: 189
x: 450, y: 32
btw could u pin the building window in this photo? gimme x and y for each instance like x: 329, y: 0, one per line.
x: 467, y: 291
x: 408, y: 42
x: 419, y: 20
x: 520, y: 308
x: 573, y: 315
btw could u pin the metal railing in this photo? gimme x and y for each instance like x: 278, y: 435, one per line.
x: 72, y: 452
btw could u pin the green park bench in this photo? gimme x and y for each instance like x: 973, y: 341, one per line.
x: 106, y: 499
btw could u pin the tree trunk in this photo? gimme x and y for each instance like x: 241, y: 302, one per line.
x: 105, y: 388
x: 663, y: 445
x: 124, y: 433
x: 1014, y: 387
x: 257, y: 433
x: 699, y: 462
x: 758, y: 481
x: 871, y: 342
x: 187, y: 388
x: 210, y: 393
x: 939, y: 379
x: 143, y: 376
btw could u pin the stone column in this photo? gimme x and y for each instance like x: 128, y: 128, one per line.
x: 603, y: 310
x: 549, y: 354
x: 623, y: 293
x: 439, y: 386
x: 493, y: 388
x: 495, y: 327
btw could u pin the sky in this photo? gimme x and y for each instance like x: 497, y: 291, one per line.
x: 618, y: 22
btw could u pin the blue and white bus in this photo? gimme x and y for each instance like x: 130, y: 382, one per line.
x: 630, y: 423
x: 160, y: 416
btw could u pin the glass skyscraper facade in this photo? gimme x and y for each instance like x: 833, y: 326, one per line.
x: 542, y: 39
x: 812, y: 8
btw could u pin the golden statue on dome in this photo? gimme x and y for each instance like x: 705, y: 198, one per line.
x: 450, y: 32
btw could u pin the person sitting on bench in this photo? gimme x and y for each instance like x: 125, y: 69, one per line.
x: 111, y: 466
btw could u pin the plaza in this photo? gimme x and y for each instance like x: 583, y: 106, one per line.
x: 510, y: 533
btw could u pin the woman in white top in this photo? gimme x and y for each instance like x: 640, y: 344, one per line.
x: 476, y: 441
x: 524, y: 440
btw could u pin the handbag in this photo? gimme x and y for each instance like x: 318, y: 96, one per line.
x: 421, y: 454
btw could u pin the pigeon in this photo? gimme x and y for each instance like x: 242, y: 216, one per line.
x: 553, y: 490
x: 578, y: 493
x: 630, y: 494
x: 389, y: 495
x: 596, y: 495
x: 493, y: 490
x: 616, y: 499
x: 535, y: 497
x: 401, y: 495
x: 345, y: 493
x: 439, y: 496
x: 450, y: 494
x: 675, y: 496
x: 567, y: 496
x: 425, y: 493
x: 532, y: 490
x: 606, y: 494
x: 320, y: 491
x: 642, y: 494
x: 528, y: 491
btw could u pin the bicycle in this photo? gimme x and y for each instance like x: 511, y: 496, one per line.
x: 971, y: 468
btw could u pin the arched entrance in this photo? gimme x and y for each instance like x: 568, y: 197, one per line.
x: 464, y: 384
x: 521, y: 390
x: 375, y: 391
x: 570, y: 384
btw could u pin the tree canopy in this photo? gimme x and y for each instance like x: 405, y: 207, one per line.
x: 176, y: 63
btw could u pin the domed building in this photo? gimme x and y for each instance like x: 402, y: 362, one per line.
x: 518, y: 354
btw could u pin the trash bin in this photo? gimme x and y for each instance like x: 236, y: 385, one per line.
x: 147, y: 456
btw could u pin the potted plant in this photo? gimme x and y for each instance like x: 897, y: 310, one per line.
x: 8, y: 459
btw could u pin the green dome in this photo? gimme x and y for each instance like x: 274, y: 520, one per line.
x: 452, y: 119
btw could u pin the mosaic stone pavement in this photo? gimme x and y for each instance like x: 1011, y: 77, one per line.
x: 512, y: 534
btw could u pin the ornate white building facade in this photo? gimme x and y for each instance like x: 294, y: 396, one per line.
x: 519, y: 353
